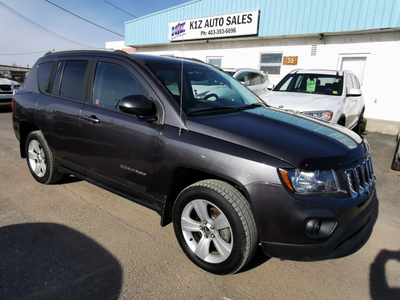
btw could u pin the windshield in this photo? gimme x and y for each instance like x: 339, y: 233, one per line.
x: 204, y: 89
x: 311, y: 83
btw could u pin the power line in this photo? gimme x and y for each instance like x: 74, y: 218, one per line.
x: 26, y: 53
x: 119, y: 8
x: 40, y: 27
x: 75, y: 15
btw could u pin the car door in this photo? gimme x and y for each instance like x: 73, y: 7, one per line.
x: 351, y: 102
x: 58, y: 110
x: 119, y: 147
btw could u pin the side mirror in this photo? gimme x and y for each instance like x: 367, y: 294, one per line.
x: 354, y: 93
x: 138, y: 105
x: 270, y: 86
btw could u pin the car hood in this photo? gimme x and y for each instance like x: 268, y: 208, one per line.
x: 5, y: 81
x: 8, y: 82
x: 301, y: 101
x: 303, y: 142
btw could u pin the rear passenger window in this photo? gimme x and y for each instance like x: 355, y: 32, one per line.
x: 73, y: 79
x: 44, y: 71
x: 112, y: 83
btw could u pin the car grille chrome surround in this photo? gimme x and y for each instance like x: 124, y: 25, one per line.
x: 361, y: 177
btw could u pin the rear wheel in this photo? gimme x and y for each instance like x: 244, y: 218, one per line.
x: 40, y: 159
x: 215, y: 227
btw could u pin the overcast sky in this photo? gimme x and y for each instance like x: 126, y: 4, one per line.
x: 30, y: 28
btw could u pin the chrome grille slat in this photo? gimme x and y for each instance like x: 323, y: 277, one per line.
x: 360, y: 178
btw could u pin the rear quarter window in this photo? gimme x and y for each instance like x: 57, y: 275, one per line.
x: 44, y: 71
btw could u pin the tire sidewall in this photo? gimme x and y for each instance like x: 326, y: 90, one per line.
x: 37, y: 136
x: 231, y: 264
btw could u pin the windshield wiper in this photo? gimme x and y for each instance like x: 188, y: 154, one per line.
x: 250, y: 106
x: 213, y: 109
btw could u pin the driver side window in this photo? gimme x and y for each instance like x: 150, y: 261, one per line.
x: 112, y: 83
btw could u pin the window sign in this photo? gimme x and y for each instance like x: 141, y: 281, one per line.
x: 311, y: 85
x: 220, y: 26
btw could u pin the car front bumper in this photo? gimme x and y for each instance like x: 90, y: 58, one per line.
x: 5, y: 99
x: 283, y: 234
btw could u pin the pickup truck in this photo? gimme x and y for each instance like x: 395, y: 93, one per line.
x: 229, y: 172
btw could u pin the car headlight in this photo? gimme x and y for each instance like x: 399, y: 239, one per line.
x: 310, y: 182
x: 325, y: 115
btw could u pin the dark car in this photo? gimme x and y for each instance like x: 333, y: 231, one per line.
x: 230, y: 172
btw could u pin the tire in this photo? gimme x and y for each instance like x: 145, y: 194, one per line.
x: 395, y: 161
x: 40, y: 159
x: 359, y: 128
x: 342, y: 121
x: 215, y: 227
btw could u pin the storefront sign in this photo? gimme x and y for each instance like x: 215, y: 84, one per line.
x: 290, y: 60
x: 221, y: 26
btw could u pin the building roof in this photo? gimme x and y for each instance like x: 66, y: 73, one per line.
x: 276, y: 18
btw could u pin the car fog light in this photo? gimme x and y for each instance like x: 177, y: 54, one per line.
x: 319, y: 228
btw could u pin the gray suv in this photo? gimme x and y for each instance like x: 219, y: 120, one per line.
x: 228, y: 171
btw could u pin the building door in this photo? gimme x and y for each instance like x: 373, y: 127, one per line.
x: 354, y: 63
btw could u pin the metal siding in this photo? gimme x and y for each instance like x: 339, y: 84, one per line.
x: 277, y: 18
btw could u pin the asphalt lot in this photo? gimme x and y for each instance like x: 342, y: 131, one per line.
x: 74, y: 240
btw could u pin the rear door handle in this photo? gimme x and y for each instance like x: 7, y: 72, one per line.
x: 92, y: 119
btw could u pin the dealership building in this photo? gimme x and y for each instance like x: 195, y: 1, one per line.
x: 278, y: 36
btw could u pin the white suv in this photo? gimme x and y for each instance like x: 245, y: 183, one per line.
x: 333, y: 96
x: 255, y: 80
x: 7, y: 88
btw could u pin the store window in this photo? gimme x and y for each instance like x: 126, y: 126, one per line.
x: 270, y: 63
x: 215, y: 61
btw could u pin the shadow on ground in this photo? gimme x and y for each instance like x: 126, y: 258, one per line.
x: 379, y: 285
x: 51, y: 261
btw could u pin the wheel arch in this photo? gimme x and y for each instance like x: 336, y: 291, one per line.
x: 25, y: 129
x: 181, y: 178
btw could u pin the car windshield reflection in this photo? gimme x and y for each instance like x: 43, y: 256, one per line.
x: 204, y: 90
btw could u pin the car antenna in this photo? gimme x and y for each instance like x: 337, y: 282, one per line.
x: 181, y: 97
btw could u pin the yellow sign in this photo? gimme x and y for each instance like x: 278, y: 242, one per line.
x: 290, y: 60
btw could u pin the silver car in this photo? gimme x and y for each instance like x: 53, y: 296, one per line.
x: 333, y: 96
x: 257, y: 81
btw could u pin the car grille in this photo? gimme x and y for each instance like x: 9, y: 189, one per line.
x: 5, y: 87
x: 361, y: 178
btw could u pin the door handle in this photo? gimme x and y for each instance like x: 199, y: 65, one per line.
x: 91, y: 118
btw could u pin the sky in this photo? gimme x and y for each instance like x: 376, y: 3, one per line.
x: 30, y: 28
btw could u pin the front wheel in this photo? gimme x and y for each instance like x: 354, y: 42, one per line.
x: 40, y: 159
x: 215, y: 227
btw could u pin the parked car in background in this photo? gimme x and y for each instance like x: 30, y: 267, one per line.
x: 396, y: 157
x: 333, y: 96
x: 7, y: 88
x: 255, y: 80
